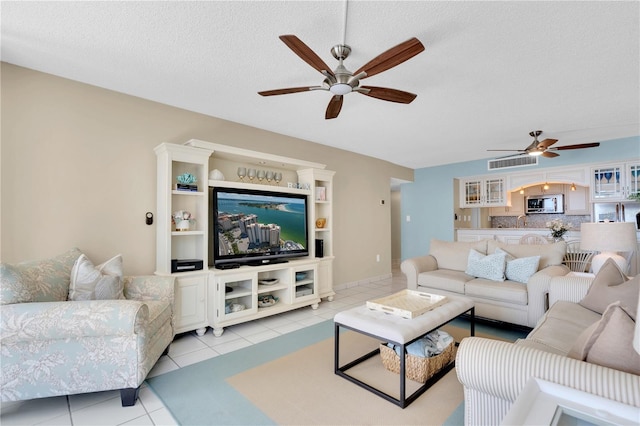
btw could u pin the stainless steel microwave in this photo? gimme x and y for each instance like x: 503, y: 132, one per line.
x: 545, y: 203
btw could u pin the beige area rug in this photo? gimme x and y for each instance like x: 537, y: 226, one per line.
x: 302, y: 389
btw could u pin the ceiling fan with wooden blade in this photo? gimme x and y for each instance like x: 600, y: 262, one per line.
x: 543, y: 148
x: 341, y: 81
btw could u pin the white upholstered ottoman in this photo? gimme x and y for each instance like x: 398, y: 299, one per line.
x: 399, y: 331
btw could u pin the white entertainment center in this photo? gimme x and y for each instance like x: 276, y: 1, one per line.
x: 219, y: 298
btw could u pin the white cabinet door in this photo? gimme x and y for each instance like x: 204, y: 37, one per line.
x: 515, y: 209
x: 608, y: 183
x: 190, y: 302
x: 576, y: 202
x: 483, y: 192
x: 325, y: 279
x: 632, y: 184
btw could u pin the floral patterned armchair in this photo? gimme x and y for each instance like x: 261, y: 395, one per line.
x: 52, y: 346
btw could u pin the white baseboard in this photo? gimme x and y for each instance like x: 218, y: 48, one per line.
x: 362, y: 282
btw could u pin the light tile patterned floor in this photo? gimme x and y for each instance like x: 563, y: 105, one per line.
x: 104, y: 408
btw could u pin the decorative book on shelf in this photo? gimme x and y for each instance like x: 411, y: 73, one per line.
x: 186, y: 187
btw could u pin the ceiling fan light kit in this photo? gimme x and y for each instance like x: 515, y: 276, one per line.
x: 543, y: 148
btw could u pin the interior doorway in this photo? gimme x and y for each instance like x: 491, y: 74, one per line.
x: 396, y: 222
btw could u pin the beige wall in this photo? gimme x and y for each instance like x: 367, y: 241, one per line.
x: 396, y: 227
x: 78, y: 169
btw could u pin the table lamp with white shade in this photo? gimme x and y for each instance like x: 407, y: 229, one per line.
x: 608, y: 238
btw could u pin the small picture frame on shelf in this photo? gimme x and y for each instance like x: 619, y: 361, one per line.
x: 321, y: 193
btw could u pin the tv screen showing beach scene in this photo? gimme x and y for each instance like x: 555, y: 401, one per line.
x: 257, y: 224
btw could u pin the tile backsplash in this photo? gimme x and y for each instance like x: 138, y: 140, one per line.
x: 538, y: 220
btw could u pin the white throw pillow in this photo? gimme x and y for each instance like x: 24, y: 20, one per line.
x: 520, y: 269
x: 102, y: 282
x: 490, y: 267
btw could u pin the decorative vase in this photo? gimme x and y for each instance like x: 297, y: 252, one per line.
x: 182, y: 225
x: 321, y: 222
x: 556, y: 239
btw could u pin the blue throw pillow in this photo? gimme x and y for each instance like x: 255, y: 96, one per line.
x: 490, y: 267
x: 520, y: 269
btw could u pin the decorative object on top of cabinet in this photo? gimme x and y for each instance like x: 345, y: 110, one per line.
x: 242, y: 172
x: 216, y: 174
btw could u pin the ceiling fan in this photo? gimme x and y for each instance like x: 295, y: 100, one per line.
x: 341, y: 81
x: 543, y: 147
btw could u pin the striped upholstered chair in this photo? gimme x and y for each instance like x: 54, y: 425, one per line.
x: 493, y: 373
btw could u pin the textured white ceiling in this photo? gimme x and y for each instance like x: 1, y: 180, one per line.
x: 491, y: 71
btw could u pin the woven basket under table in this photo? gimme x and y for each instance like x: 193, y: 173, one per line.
x: 417, y: 368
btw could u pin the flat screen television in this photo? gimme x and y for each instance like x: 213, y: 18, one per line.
x: 257, y: 227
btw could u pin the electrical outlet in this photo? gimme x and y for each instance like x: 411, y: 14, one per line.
x: 408, y: 218
x: 377, y: 258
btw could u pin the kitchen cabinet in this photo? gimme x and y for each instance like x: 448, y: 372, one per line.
x: 576, y: 202
x: 615, y: 181
x: 515, y: 209
x: 483, y: 192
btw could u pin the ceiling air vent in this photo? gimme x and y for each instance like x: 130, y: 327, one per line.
x: 506, y: 163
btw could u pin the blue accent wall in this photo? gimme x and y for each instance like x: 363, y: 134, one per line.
x: 429, y: 199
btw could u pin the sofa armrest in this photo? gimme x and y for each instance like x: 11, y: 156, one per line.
x: 414, y: 266
x: 149, y: 287
x: 570, y: 288
x: 493, y: 373
x: 73, y: 319
x: 538, y: 289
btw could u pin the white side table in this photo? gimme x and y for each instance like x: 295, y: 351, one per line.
x: 546, y: 403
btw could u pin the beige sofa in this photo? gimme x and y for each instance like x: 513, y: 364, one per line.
x: 572, y: 346
x: 522, y: 302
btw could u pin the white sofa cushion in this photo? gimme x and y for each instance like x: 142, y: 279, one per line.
x: 562, y: 325
x: 550, y: 254
x: 454, y: 254
x: 504, y: 291
x: 444, y: 279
